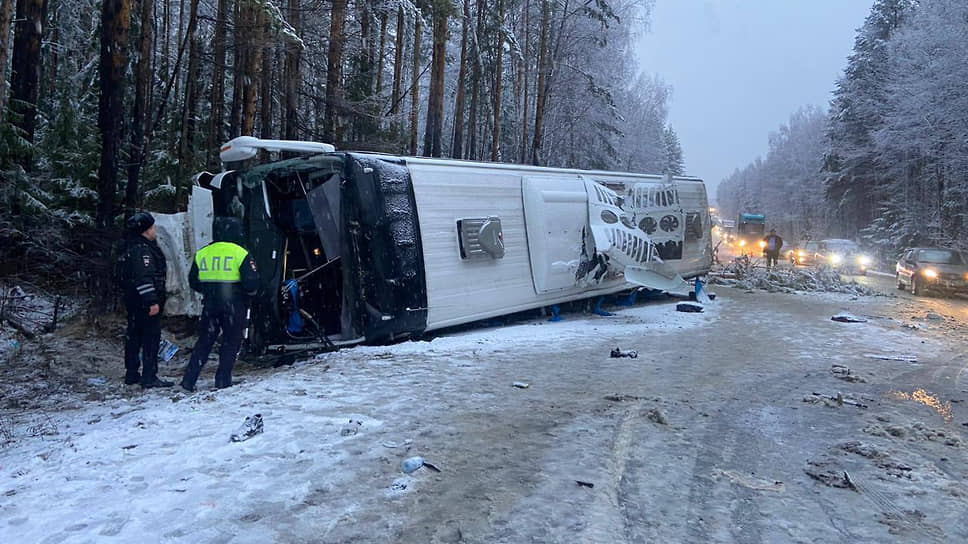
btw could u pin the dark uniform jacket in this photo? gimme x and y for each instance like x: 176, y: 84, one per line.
x: 143, y: 269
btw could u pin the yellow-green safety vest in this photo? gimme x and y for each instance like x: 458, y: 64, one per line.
x: 220, y: 262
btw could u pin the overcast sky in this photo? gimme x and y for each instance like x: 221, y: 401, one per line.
x: 739, y: 68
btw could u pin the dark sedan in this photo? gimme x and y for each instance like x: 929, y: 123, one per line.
x: 936, y: 269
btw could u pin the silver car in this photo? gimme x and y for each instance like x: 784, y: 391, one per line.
x: 937, y: 269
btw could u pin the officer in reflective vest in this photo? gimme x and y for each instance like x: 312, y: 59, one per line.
x: 226, y: 275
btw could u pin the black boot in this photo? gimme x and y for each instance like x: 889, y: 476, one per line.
x: 131, y: 379
x: 157, y: 382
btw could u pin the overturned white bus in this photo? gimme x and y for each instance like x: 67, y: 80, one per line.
x: 364, y: 247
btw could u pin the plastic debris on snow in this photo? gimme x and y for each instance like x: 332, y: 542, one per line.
x: 631, y: 354
x: 411, y: 464
x: 845, y: 317
x: 689, y: 307
x: 789, y: 280
x: 250, y: 427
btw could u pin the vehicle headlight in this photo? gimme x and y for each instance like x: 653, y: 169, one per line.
x: 930, y: 273
x: 762, y: 244
x: 836, y: 259
x: 864, y: 260
x: 801, y: 253
x: 742, y: 243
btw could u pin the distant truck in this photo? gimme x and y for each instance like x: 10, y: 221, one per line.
x: 750, y: 230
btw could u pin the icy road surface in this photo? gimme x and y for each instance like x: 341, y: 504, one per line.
x: 739, y: 424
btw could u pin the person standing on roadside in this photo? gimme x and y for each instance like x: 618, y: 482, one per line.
x: 142, y: 273
x: 226, y: 275
x: 772, y: 248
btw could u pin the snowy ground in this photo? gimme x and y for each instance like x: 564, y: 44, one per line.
x: 734, y: 425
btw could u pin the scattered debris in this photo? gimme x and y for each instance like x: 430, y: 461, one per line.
x: 405, y: 443
x: 584, y: 484
x: 905, y: 358
x: 689, y: 307
x: 129, y: 447
x: 631, y: 354
x: 788, y: 280
x: 98, y: 380
x: 621, y: 398
x: 840, y: 399
x: 845, y: 317
x: 400, y: 484
x: 250, y: 427
x: 521, y: 385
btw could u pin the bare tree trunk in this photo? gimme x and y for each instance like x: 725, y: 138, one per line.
x: 457, y: 150
x: 293, y: 77
x: 215, y: 134
x: 142, y: 104
x: 433, y: 133
x: 526, y: 74
x: 475, y: 84
x: 265, y: 102
x: 397, y: 73
x: 334, y: 71
x: 253, y: 67
x: 240, y: 44
x: 115, y: 18
x: 542, y: 90
x: 382, y: 53
x: 498, y: 77
x: 6, y: 19
x: 25, y: 77
x: 415, y: 86
x: 190, y: 106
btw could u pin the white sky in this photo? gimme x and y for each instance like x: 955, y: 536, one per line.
x: 739, y: 68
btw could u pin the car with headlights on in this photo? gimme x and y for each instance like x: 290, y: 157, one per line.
x: 844, y: 256
x: 805, y: 254
x: 923, y: 269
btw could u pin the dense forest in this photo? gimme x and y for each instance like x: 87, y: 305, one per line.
x: 111, y: 105
x: 887, y: 164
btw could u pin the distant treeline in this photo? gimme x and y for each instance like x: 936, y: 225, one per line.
x: 888, y: 162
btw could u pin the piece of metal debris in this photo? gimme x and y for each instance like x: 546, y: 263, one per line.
x: 848, y: 318
x: 689, y: 307
x: 849, y: 482
x: 904, y: 358
x: 584, y: 484
x: 521, y: 385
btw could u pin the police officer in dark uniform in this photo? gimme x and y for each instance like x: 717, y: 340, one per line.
x: 226, y: 275
x: 142, y: 271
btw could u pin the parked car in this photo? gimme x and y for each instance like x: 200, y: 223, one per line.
x: 937, y: 269
x: 805, y: 253
x: 844, y: 256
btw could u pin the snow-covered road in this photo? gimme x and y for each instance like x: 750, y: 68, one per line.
x: 726, y: 428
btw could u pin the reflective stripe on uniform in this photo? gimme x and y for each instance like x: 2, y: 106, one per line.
x: 220, y: 262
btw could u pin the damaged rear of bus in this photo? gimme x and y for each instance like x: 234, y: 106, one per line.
x: 335, y: 238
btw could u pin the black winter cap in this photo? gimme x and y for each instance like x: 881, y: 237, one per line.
x: 140, y: 222
x: 228, y: 229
